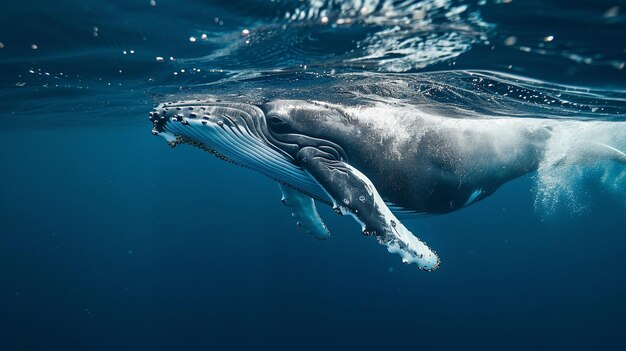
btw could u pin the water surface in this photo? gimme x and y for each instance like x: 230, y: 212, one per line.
x: 111, y: 240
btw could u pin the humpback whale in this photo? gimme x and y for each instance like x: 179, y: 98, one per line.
x: 377, y: 163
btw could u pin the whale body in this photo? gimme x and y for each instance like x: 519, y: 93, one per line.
x: 376, y: 162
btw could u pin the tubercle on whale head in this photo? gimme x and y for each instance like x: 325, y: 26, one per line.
x: 164, y: 115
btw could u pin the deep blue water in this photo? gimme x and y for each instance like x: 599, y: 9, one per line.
x: 111, y: 240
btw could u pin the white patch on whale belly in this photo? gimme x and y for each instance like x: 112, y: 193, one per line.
x: 473, y: 197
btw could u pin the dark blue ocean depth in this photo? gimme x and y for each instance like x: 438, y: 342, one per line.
x: 112, y: 240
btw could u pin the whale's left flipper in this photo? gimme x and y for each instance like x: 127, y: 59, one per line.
x: 353, y: 193
x: 304, y: 211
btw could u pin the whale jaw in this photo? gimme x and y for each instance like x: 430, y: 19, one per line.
x: 233, y: 132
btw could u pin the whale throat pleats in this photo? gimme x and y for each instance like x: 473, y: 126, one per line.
x: 237, y: 144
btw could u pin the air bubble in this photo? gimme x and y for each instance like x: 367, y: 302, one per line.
x: 612, y: 12
x: 510, y: 41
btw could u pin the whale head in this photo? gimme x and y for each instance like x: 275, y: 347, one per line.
x: 235, y: 132
x: 246, y: 133
x: 234, y: 118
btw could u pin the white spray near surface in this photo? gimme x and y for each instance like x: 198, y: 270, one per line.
x: 581, y: 153
x: 577, y: 154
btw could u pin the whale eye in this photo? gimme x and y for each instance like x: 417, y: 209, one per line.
x: 278, y: 124
x: 276, y: 120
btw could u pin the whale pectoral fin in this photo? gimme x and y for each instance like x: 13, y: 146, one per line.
x: 304, y: 211
x: 353, y: 193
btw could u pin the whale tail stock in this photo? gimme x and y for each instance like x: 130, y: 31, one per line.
x: 575, y: 154
x: 589, y: 153
x: 586, y: 143
x: 609, y: 152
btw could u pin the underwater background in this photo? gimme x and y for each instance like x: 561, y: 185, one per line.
x: 111, y: 240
